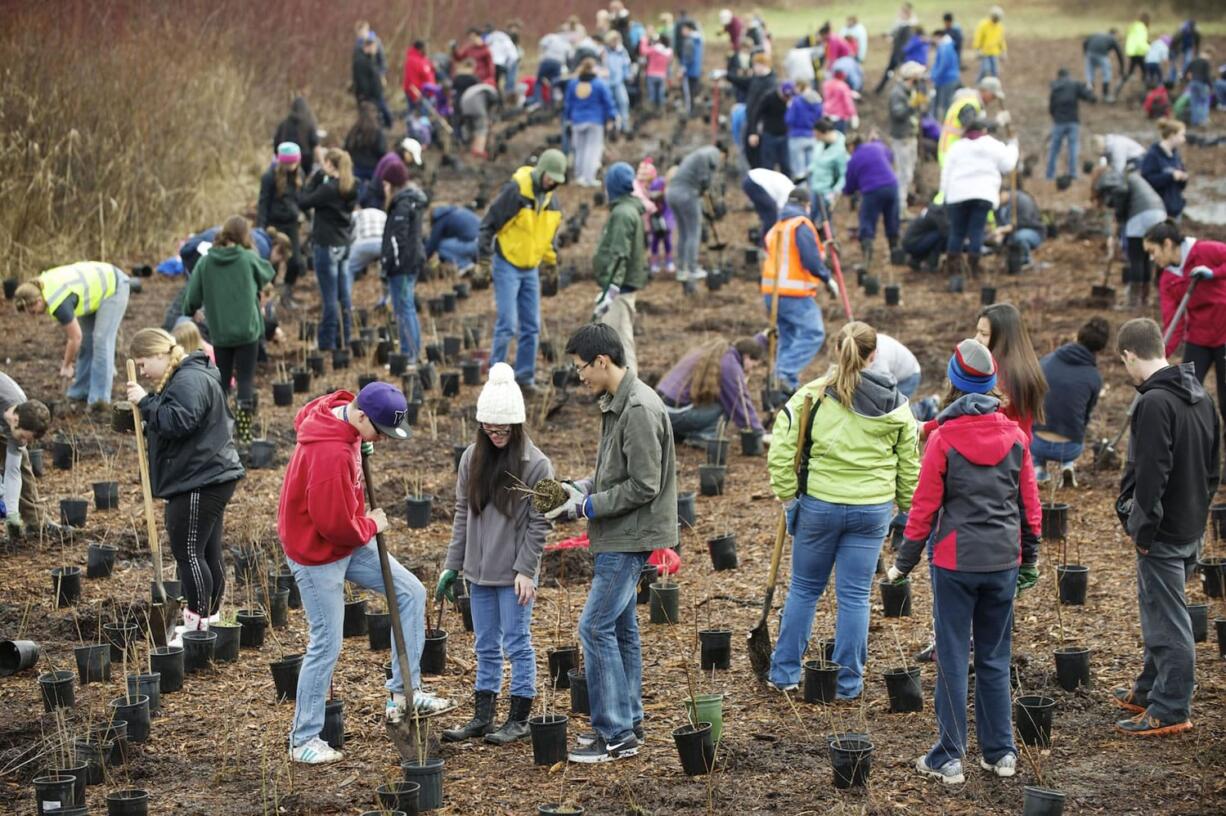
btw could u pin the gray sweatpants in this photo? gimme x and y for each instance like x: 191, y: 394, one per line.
x: 686, y: 205
x: 589, y: 147
x: 1166, y: 629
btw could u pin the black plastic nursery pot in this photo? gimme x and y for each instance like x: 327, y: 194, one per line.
x: 895, y: 598
x: 283, y: 393
x: 686, y: 509
x: 54, y: 792
x: 262, y: 454
x: 471, y: 371
x: 418, y: 510
x: 821, y: 681
x: 449, y: 302
x: 461, y: 289
x: 340, y: 359
x: 254, y: 624
x: 579, y: 703
x: 987, y: 295
x: 79, y: 771
x: 711, y: 479
x: 1213, y: 576
x: 452, y: 343
x: 1055, y: 520
x: 355, y: 618
x: 434, y: 652
x: 398, y: 797
x: 434, y: 352
x: 397, y: 363
x: 334, y: 724
x: 695, y: 748
x: 73, y: 512
x: 429, y: 775
x: 112, y: 739
x: 106, y: 495
x: 127, y: 802
x: 723, y: 552
x: 1033, y: 715
x: 379, y: 630
x: 1072, y: 667
x: 93, y: 662
x: 198, y: 650
x: 91, y: 754
x: 751, y: 442
x: 665, y: 603
x: 229, y: 641
x: 10, y: 288
x: 561, y: 660
x: 17, y: 655
x: 549, y: 351
x: 893, y: 294
x: 903, y: 686
x: 383, y: 352
x: 872, y: 285
x: 647, y: 577
x: 278, y: 607
x: 1073, y: 580
x: 465, y: 604
x: 1199, y: 613
x: 100, y: 560
x: 548, y: 738
x: 172, y: 588
x: 119, y: 635
x: 449, y: 383
x: 851, y: 760
x: 285, y: 676
x: 135, y: 712
x: 1041, y: 801
x: 717, y: 451
x: 57, y: 689
x: 435, y: 306
x: 285, y: 580
x: 148, y: 685
x: 62, y: 454
x: 715, y: 648
x: 122, y: 420
x: 167, y: 661
x: 365, y: 380
x: 302, y: 377
x: 1219, y: 624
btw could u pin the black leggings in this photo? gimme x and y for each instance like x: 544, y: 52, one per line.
x: 1137, y: 268
x: 193, y: 523
x: 1201, y: 357
x: 239, y: 362
x: 294, y: 264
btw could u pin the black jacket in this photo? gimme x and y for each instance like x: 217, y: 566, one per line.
x: 367, y: 80
x: 188, y: 431
x: 1101, y: 45
x: 332, y: 225
x: 1173, y: 460
x: 305, y: 136
x: 760, y: 88
x: 1073, y: 383
x: 276, y: 210
x: 1066, y: 94
x: 402, y: 249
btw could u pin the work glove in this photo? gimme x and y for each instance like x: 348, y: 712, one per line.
x: 1027, y: 576
x: 605, y: 300
x: 368, y: 448
x: 446, y: 585
x: 1202, y: 273
x: 895, y: 576
x: 833, y: 286
x: 572, y: 508
x: 481, y: 272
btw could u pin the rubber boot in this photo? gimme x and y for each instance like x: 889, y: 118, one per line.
x: 866, y: 250
x: 482, y: 723
x: 244, y: 418
x: 516, y: 726
x: 951, y: 264
x: 972, y: 261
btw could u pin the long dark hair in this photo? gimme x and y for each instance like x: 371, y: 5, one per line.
x: 365, y: 132
x: 1022, y: 377
x: 492, y: 472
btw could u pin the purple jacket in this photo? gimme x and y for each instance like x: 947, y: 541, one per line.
x: 734, y: 395
x: 870, y: 168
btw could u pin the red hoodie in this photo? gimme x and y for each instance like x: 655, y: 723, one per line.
x: 322, y: 516
x: 1204, y: 324
x: 418, y: 72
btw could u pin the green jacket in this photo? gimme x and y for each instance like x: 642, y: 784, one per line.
x: 227, y: 282
x: 634, y: 490
x: 866, y: 455
x: 621, y: 255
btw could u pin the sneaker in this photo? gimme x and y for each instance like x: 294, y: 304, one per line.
x: 1145, y: 725
x: 600, y: 751
x: 589, y: 737
x: 426, y: 703
x: 395, y: 707
x: 680, y: 274
x: 1129, y: 700
x: 1004, y: 767
x: 315, y: 752
x: 1068, y: 476
x: 698, y: 274
x: 950, y: 773
x: 782, y: 686
x: 928, y: 654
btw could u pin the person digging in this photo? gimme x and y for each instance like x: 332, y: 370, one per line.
x: 25, y: 421
x: 328, y: 538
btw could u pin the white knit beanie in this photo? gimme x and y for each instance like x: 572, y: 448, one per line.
x: 501, y: 402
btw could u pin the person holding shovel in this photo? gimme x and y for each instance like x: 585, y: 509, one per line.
x: 25, y: 421
x: 630, y: 503
x: 192, y: 463
x: 686, y: 188
x: 328, y: 538
x: 620, y: 262
x: 496, y: 542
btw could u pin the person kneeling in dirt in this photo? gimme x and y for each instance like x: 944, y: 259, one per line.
x: 631, y: 507
x: 327, y: 535
x: 496, y: 541
x: 25, y: 420
x: 708, y: 384
x: 192, y: 463
x: 1170, y: 478
x: 453, y: 237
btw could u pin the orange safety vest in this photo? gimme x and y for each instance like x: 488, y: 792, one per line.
x: 783, y: 258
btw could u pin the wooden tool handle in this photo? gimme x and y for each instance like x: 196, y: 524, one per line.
x: 147, y: 491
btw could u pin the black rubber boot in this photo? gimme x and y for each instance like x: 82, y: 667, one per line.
x: 482, y: 723
x: 516, y: 726
x: 973, y: 262
x: 244, y: 421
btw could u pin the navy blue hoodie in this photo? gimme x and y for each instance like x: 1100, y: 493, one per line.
x: 1073, y: 385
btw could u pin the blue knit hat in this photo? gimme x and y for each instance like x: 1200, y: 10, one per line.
x: 972, y: 369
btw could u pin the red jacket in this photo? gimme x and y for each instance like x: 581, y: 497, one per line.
x: 482, y: 59
x: 418, y: 71
x: 322, y: 516
x: 1204, y: 324
x: 977, y: 491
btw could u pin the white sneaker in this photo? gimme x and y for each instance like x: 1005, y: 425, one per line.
x: 315, y: 752
x: 1005, y: 767
x: 1068, y: 476
x: 950, y: 773
x: 426, y: 703
x: 782, y: 686
x: 698, y: 274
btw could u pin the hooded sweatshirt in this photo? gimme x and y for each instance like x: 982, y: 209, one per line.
x: 1073, y: 383
x: 1174, y: 451
x: 803, y: 113
x: 322, y: 514
x: 227, y: 283
x: 620, y: 258
x: 1204, y: 323
x: 977, y: 491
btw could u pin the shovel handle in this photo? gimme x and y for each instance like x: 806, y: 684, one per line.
x: 834, y: 256
x: 147, y: 491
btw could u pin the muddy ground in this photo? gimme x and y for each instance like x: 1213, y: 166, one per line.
x: 220, y: 745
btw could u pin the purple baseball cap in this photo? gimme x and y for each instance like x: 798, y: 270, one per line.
x: 385, y: 407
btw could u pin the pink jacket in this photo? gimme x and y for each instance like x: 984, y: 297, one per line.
x: 658, y: 58
x: 837, y: 101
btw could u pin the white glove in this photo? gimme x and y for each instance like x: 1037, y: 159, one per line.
x: 1202, y: 273
x: 1004, y: 119
x: 718, y: 74
x: 833, y: 286
x: 605, y: 300
x: 766, y: 439
x: 894, y: 574
x: 572, y: 508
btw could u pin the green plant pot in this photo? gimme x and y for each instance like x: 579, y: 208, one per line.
x: 710, y: 708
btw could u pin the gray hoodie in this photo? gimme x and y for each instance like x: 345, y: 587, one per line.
x: 696, y: 170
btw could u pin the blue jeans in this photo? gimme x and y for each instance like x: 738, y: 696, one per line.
x: 1064, y: 454
x: 361, y: 255
x: 1098, y: 65
x: 988, y: 66
x: 883, y: 203
x: 501, y: 627
x: 95, y: 364
x: 621, y: 97
x: 1198, y: 103
x: 907, y: 385
x: 846, y: 538
x: 1030, y: 239
x: 323, y: 599
x: 736, y: 125
x: 966, y: 222
x: 463, y: 254
x: 334, y: 291
x: 941, y: 99
x: 801, y: 334
x: 547, y: 72
x: 517, y: 298
x: 978, y: 604
x: 655, y: 91
x: 763, y: 205
x: 800, y: 153
x: 402, y: 289
x: 1061, y: 132
x: 698, y: 421
x: 773, y: 153
x: 609, y: 633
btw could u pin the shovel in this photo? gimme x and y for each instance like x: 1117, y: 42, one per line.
x: 759, y: 637
x: 715, y: 245
x: 161, y: 616
x: 1102, y: 293
x: 834, y: 256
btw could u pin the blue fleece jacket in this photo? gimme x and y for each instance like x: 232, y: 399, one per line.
x: 588, y: 101
x: 806, y: 243
x: 1158, y: 168
x: 693, y: 62
x: 945, y: 69
x: 802, y: 116
x: 916, y: 50
x: 460, y: 223
x: 1073, y: 384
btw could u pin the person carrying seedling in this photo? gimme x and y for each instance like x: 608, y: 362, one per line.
x: 25, y: 421
x: 192, y: 463
x: 496, y: 542
x: 630, y: 503
x: 328, y: 538
x: 976, y: 459
x: 1169, y: 480
x: 620, y: 262
x: 861, y: 460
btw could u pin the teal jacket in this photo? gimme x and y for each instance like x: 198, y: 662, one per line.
x: 829, y: 166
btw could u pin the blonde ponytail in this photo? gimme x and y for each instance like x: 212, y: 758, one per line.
x: 857, y: 340
x: 343, y: 163
x: 152, y: 342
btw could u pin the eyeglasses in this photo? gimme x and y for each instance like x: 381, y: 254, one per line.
x: 585, y: 365
x: 496, y: 430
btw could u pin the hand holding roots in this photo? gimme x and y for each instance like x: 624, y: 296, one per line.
x: 547, y: 494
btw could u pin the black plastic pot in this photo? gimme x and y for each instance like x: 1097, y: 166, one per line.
x: 1055, y: 521
x: 723, y: 552
x: 302, y: 378
x: 398, y: 797
x: 283, y: 393
x: 435, y: 306
x: 957, y: 284
x: 418, y: 510
x: 549, y: 351
x: 716, y: 648
x: 135, y: 712
x: 457, y: 453
x: 100, y: 560
x: 1072, y: 667
x: 1073, y: 580
x: 198, y: 650
x: 379, y: 630
x: 449, y: 383
x: 717, y: 451
x: 106, y: 495
x: 79, y: 771
x: 826, y: 647
x: 579, y: 703
x: 315, y: 364
x: 434, y: 352
x: 57, y: 690
x: 285, y: 676
x: 167, y: 661
x: 1033, y: 717
x: 277, y: 602
x: 122, y: 420
x: 452, y: 343
x: 10, y: 288
x: 255, y: 624
x: 434, y: 652
x: 334, y: 724
x: 895, y: 598
x: 872, y: 285
x: 285, y: 580
x: 851, y: 760
x: 647, y: 577
x: 695, y: 748
x: 383, y: 351
x: 128, y: 802
x: 987, y: 295
x: 711, y: 479
x: 112, y: 738
x: 62, y: 454
x: 365, y: 380
x: 355, y: 618
x: 665, y: 603
x: 119, y: 635
x: 53, y: 792
x: 893, y: 294
x: 229, y: 639
x: 1213, y: 576
x: 1041, y: 801
x: 93, y: 662
x: 172, y: 588
x: 903, y: 685
x: 149, y: 685
x: 561, y: 661
x: 821, y: 681
x: 548, y: 738
x: 17, y: 655
x: 1220, y: 625
x: 1199, y: 613
x: 471, y: 372
x: 429, y: 775
x: 465, y: 605
x: 685, y: 509
x: 262, y: 454
x: 340, y: 359
x: 73, y: 512
x: 91, y: 754
x: 751, y: 442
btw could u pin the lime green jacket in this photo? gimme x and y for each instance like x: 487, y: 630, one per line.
x: 865, y: 455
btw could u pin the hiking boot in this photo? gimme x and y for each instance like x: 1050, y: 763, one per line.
x: 950, y: 773
x: 1146, y: 725
x: 516, y: 726
x: 1004, y: 767
x: 482, y: 722
x: 972, y: 261
x: 600, y: 751
x: 315, y: 752
x: 589, y: 737
x: 1129, y: 700
x: 1068, y: 476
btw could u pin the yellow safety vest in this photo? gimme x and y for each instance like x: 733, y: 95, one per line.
x: 527, y: 239
x: 783, y: 259
x: 951, y: 128
x: 91, y: 281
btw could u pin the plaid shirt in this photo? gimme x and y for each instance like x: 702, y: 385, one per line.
x: 368, y: 223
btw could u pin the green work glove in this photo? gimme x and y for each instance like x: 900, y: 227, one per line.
x: 14, y: 528
x: 368, y: 448
x: 1027, y: 576
x: 446, y: 586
